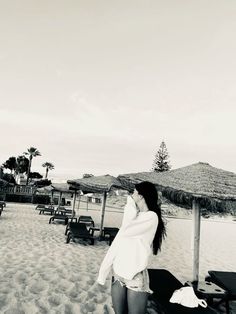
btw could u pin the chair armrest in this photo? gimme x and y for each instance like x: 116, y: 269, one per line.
x: 91, y: 231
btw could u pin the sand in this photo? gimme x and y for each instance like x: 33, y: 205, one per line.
x: 40, y: 273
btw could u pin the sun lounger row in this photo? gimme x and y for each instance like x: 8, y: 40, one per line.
x: 84, y: 228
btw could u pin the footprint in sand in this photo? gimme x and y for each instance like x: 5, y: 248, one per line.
x: 54, y: 300
x: 2, y: 302
x: 21, y: 277
x: 15, y: 309
x: 73, y: 293
x: 100, y: 298
x: 87, y: 307
x: 37, y: 286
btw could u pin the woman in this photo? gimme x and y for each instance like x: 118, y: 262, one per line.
x: 142, y: 230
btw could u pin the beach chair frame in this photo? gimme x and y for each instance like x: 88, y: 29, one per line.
x: 163, y: 284
x: 79, y: 230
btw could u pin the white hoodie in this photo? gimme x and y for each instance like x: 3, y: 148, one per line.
x: 131, y: 248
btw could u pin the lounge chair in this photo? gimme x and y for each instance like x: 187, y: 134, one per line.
x: 163, y: 284
x: 227, y: 281
x: 110, y: 233
x: 3, y: 203
x: 79, y: 230
x: 40, y: 206
x: 49, y: 209
x: 88, y: 220
x: 61, y: 215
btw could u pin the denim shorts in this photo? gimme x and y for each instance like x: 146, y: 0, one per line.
x: 139, y: 283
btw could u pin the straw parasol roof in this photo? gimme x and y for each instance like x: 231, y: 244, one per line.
x: 96, y: 184
x: 200, y: 181
x: 55, y: 187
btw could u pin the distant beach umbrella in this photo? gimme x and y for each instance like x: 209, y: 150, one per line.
x: 97, y: 184
x: 60, y: 188
x: 199, y: 185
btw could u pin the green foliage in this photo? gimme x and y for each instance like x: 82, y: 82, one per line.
x: 35, y: 175
x: 161, y: 162
x: 22, y: 164
x: 9, y: 178
x: 16, y: 165
x: 10, y: 164
x: 41, y: 199
x: 42, y: 183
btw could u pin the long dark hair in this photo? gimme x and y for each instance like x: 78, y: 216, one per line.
x: 150, y: 195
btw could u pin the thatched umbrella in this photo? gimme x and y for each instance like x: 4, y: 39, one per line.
x: 198, y: 185
x: 97, y: 184
x: 61, y: 188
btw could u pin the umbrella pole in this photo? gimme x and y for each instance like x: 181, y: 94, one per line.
x: 196, y: 238
x: 79, y: 201
x: 52, y: 198
x: 59, y: 202
x: 102, y: 213
x: 73, y: 206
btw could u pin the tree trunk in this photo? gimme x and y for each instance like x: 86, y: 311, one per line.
x: 28, y: 172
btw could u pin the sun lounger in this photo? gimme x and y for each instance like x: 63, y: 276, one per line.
x: 3, y: 203
x: 1, y: 209
x: 40, y: 206
x: 61, y: 215
x: 163, y: 284
x: 227, y: 281
x: 71, y: 222
x: 110, y: 233
x: 79, y: 230
x: 88, y: 220
x: 49, y: 209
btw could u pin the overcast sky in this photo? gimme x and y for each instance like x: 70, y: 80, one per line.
x: 97, y: 85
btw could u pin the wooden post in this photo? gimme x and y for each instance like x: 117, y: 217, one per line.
x: 59, y: 202
x: 102, y: 213
x: 52, y: 203
x: 79, y: 201
x: 73, y: 206
x: 196, y: 238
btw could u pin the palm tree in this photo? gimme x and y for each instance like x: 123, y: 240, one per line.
x: 49, y: 166
x: 32, y: 152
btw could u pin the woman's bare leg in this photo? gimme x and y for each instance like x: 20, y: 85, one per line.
x: 137, y: 301
x: 119, y: 298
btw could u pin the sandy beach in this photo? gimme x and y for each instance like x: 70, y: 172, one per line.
x: 40, y: 273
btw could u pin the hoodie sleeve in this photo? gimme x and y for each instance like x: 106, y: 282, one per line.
x: 130, y: 212
x: 107, y: 262
x: 141, y: 225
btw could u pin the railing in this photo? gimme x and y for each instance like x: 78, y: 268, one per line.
x: 18, y: 189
